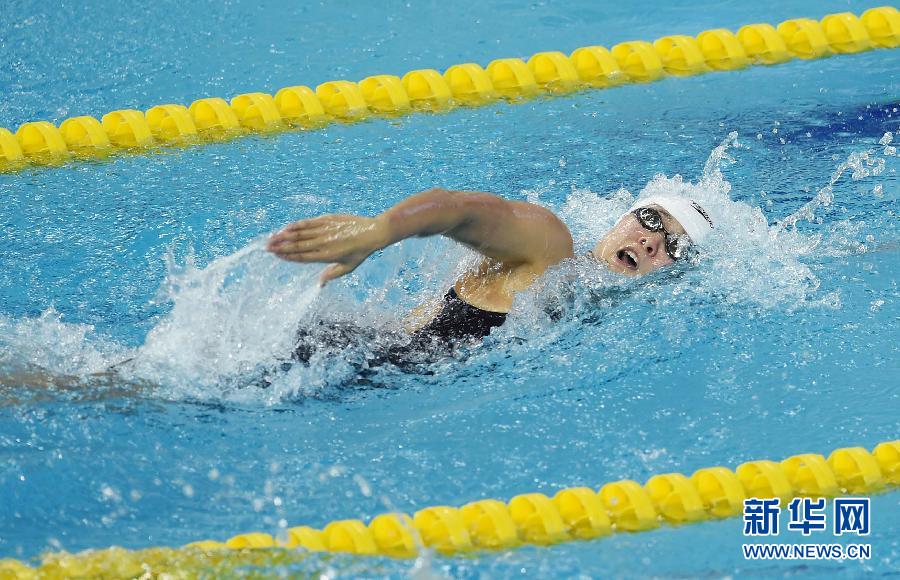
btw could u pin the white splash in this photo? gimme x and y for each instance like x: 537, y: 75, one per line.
x: 59, y: 348
x: 227, y: 320
x: 861, y: 164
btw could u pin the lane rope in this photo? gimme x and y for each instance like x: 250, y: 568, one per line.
x: 578, y: 513
x: 212, y: 119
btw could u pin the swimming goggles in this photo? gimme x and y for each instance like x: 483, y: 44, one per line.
x: 678, y: 246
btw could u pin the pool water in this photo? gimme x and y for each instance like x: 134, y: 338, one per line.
x: 782, y: 340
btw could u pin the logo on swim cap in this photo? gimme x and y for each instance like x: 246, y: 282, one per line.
x: 702, y: 211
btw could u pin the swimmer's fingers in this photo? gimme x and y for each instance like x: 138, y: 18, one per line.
x: 287, y: 236
x: 308, y: 256
x: 322, y: 247
x: 301, y: 230
x: 338, y: 238
x: 329, y: 227
x: 326, y: 221
x: 334, y: 271
x: 323, y: 253
x: 297, y: 245
x: 315, y: 222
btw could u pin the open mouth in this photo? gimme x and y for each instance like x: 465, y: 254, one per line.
x: 627, y: 258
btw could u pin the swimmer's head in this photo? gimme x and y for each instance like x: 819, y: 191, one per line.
x: 655, y: 232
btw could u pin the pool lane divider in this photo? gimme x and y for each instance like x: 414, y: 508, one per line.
x: 578, y: 513
x: 512, y: 79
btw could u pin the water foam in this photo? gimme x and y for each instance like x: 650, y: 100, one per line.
x: 59, y: 348
x: 227, y: 320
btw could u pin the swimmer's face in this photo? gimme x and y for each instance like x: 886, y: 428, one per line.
x: 632, y: 250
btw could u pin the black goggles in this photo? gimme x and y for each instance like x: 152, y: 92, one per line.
x: 678, y: 246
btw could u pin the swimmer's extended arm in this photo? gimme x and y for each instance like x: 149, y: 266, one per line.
x: 513, y: 232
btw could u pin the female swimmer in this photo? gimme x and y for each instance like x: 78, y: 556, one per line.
x: 518, y: 242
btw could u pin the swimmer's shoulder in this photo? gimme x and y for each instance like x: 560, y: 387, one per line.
x: 557, y: 238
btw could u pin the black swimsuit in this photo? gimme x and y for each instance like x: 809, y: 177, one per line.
x: 457, y: 322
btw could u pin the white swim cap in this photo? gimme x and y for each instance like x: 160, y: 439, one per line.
x: 690, y: 214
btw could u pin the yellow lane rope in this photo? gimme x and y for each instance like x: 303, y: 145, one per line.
x: 579, y: 513
x: 512, y: 79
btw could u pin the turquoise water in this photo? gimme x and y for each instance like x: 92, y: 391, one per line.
x: 783, y: 340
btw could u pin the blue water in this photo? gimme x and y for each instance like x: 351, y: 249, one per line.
x: 783, y: 340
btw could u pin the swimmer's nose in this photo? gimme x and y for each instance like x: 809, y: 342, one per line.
x: 650, y: 246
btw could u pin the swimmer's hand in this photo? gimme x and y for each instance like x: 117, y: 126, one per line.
x: 344, y: 241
